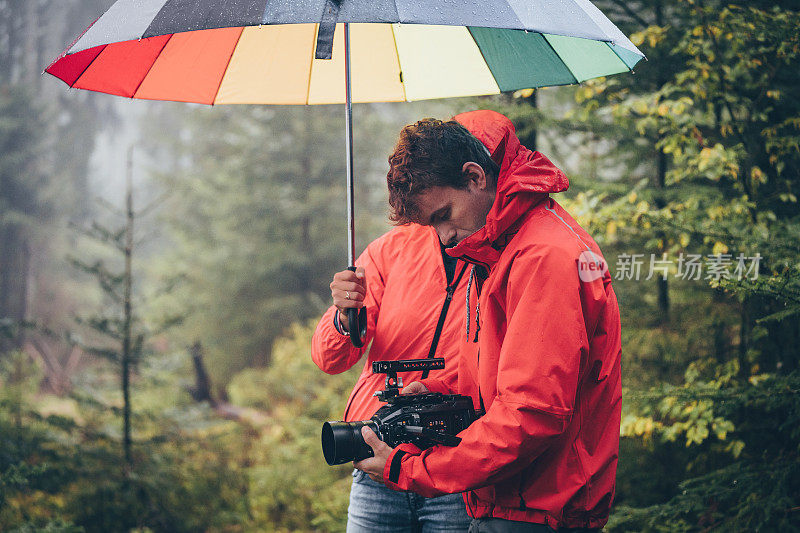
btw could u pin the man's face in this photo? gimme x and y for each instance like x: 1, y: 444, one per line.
x: 456, y: 213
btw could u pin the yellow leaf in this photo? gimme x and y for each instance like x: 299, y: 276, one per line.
x: 757, y: 175
x: 705, y: 158
x: 685, y: 239
x: 611, y: 229
x: 640, y: 107
x: 719, y: 248
x: 737, y: 448
x: 663, y: 110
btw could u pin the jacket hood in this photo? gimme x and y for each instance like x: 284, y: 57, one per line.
x: 526, y: 178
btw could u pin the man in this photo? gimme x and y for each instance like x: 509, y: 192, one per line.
x: 542, y: 339
x: 407, y: 283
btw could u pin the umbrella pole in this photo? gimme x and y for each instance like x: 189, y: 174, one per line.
x: 348, y: 126
x: 357, y: 319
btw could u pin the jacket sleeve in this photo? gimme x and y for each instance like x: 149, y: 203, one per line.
x: 536, y: 376
x: 332, y: 351
x: 447, y: 381
x: 446, y: 385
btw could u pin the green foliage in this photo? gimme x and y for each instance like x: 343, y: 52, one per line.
x: 293, y: 489
x: 713, y: 452
x: 192, y: 470
x: 709, y: 438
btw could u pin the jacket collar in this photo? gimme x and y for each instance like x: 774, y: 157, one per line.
x: 526, y: 178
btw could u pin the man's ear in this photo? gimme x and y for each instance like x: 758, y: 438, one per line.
x: 475, y: 173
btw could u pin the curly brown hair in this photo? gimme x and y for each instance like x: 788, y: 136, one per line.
x: 432, y: 153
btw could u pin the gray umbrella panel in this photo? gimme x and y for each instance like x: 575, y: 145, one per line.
x: 128, y: 20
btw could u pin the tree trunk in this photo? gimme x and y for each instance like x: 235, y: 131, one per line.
x: 532, y: 140
x: 14, y: 265
x: 30, y: 51
x: 744, y: 337
x: 201, y: 392
x: 663, y: 283
x: 127, y: 338
x: 660, y: 185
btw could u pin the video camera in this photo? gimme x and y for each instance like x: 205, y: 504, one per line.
x: 422, y: 419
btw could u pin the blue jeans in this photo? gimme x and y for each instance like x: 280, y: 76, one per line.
x: 377, y: 509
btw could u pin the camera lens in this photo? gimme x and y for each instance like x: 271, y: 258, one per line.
x: 342, y: 441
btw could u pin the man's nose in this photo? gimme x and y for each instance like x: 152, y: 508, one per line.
x: 447, y: 235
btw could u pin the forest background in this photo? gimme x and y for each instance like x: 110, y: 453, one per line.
x: 165, y: 383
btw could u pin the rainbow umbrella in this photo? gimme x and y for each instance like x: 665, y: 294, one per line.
x: 341, y: 51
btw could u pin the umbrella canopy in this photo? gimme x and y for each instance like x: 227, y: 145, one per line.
x: 263, y: 52
x: 289, y: 52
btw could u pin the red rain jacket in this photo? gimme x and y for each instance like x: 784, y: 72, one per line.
x: 546, y: 362
x: 406, y: 290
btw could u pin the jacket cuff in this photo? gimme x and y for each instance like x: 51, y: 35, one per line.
x: 338, y: 325
x: 392, y: 471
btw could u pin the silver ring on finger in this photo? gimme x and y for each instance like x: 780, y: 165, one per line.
x: 347, y: 294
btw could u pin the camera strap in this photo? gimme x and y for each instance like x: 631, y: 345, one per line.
x: 451, y: 289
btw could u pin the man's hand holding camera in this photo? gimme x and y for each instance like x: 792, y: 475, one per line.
x: 374, y: 466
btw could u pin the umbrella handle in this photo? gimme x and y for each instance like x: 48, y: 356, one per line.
x: 357, y: 319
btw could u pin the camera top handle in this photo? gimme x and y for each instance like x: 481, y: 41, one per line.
x: 391, y: 368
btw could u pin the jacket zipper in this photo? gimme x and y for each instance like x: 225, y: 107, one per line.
x: 470, y: 260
